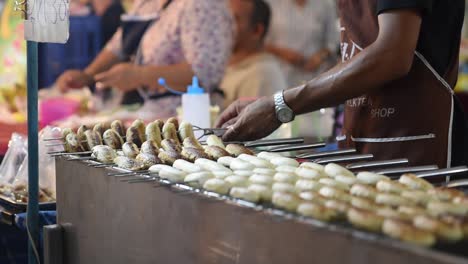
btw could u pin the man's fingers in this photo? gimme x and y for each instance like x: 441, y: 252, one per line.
x: 230, y: 122
x: 231, y: 133
x: 228, y: 114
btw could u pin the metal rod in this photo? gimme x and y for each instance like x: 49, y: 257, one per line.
x: 72, y: 153
x: 403, y: 170
x: 316, y: 155
x: 101, y: 165
x: 52, y: 139
x: 80, y: 158
x: 297, y: 147
x: 444, y: 172
x: 33, y: 150
x: 347, y: 158
x: 459, y: 183
x: 373, y: 164
x: 274, y: 142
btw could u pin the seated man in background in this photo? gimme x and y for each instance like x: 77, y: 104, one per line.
x: 251, y: 71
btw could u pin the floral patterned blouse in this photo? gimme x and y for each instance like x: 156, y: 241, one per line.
x: 199, y: 32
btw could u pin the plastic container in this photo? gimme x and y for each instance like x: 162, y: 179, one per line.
x: 196, y: 106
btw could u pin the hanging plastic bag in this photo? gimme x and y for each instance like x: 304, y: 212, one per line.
x: 47, y: 188
x: 14, y: 157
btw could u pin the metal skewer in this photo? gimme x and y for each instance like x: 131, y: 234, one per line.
x: 462, y: 170
x: 297, y: 147
x: 273, y: 142
x: 374, y: 164
x: 397, y: 172
x: 81, y: 158
x: 71, y: 153
x: 347, y: 158
x: 52, y: 139
x: 316, y: 155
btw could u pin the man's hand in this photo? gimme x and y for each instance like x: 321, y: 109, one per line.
x: 73, y: 79
x: 231, y: 114
x: 257, y: 120
x: 124, y: 76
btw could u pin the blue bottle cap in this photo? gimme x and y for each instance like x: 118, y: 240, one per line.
x: 195, y: 87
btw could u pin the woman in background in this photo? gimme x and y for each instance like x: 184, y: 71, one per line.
x: 186, y: 38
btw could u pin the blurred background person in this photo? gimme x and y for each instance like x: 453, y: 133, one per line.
x: 183, y: 38
x: 251, y: 72
x: 110, y: 12
x: 304, y: 36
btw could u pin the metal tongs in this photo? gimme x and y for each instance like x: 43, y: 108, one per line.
x: 210, y: 131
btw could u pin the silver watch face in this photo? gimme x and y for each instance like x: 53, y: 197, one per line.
x: 285, y: 115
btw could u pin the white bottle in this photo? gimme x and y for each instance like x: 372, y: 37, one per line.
x: 196, y: 106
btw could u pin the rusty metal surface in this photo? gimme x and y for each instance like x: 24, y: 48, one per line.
x: 109, y: 221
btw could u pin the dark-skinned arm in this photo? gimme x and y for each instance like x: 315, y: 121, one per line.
x: 389, y: 58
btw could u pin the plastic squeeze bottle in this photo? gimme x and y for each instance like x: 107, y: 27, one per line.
x: 196, y: 106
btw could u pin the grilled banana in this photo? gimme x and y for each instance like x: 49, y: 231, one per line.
x: 153, y: 133
x: 169, y: 157
x: 73, y: 144
x: 112, y: 139
x: 213, y: 140
x: 169, y: 131
x: 80, y: 133
x: 174, y: 121
x: 160, y: 123
x: 118, y: 127
x: 133, y: 136
x: 150, y: 147
x: 104, y: 154
x: 237, y: 150
x: 99, y: 128
x: 93, y: 138
x: 192, y: 154
x: 148, y: 160
x: 65, y: 132
x: 216, y: 152
x: 128, y: 164
x: 130, y: 150
x: 192, y: 143
x: 170, y: 145
x: 140, y: 125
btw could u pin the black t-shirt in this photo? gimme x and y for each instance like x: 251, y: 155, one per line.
x: 439, y: 43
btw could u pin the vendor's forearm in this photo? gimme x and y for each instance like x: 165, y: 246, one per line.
x: 177, y: 76
x: 389, y: 58
x: 103, y: 62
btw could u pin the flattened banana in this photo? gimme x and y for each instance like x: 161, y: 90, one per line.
x: 140, y: 126
x: 104, y: 154
x: 73, y: 143
x: 127, y: 163
x: 130, y: 150
x: 192, y: 154
x: 174, y: 121
x: 213, y: 140
x: 237, y: 150
x: 93, y: 139
x: 99, y: 128
x: 148, y: 160
x: 133, y: 136
x: 112, y: 139
x: 169, y: 132
x: 170, y: 145
x: 118, y: 127
x: 150, y: 147
x: 153, y: 132
x: 216, y: 152
x: 192, y: 143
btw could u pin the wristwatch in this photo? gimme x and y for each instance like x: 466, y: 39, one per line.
x: 283, y: 112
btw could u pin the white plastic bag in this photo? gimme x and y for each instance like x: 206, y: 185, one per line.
x: 14, y: 157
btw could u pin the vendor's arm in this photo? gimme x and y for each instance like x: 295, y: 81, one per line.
x: 390, y: 57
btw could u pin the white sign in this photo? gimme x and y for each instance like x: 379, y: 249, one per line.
x: 47, y: 21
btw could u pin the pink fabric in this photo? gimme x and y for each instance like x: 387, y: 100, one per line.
x: 196, y: 31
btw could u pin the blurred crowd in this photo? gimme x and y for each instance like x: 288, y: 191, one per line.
x: 237, y: 48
